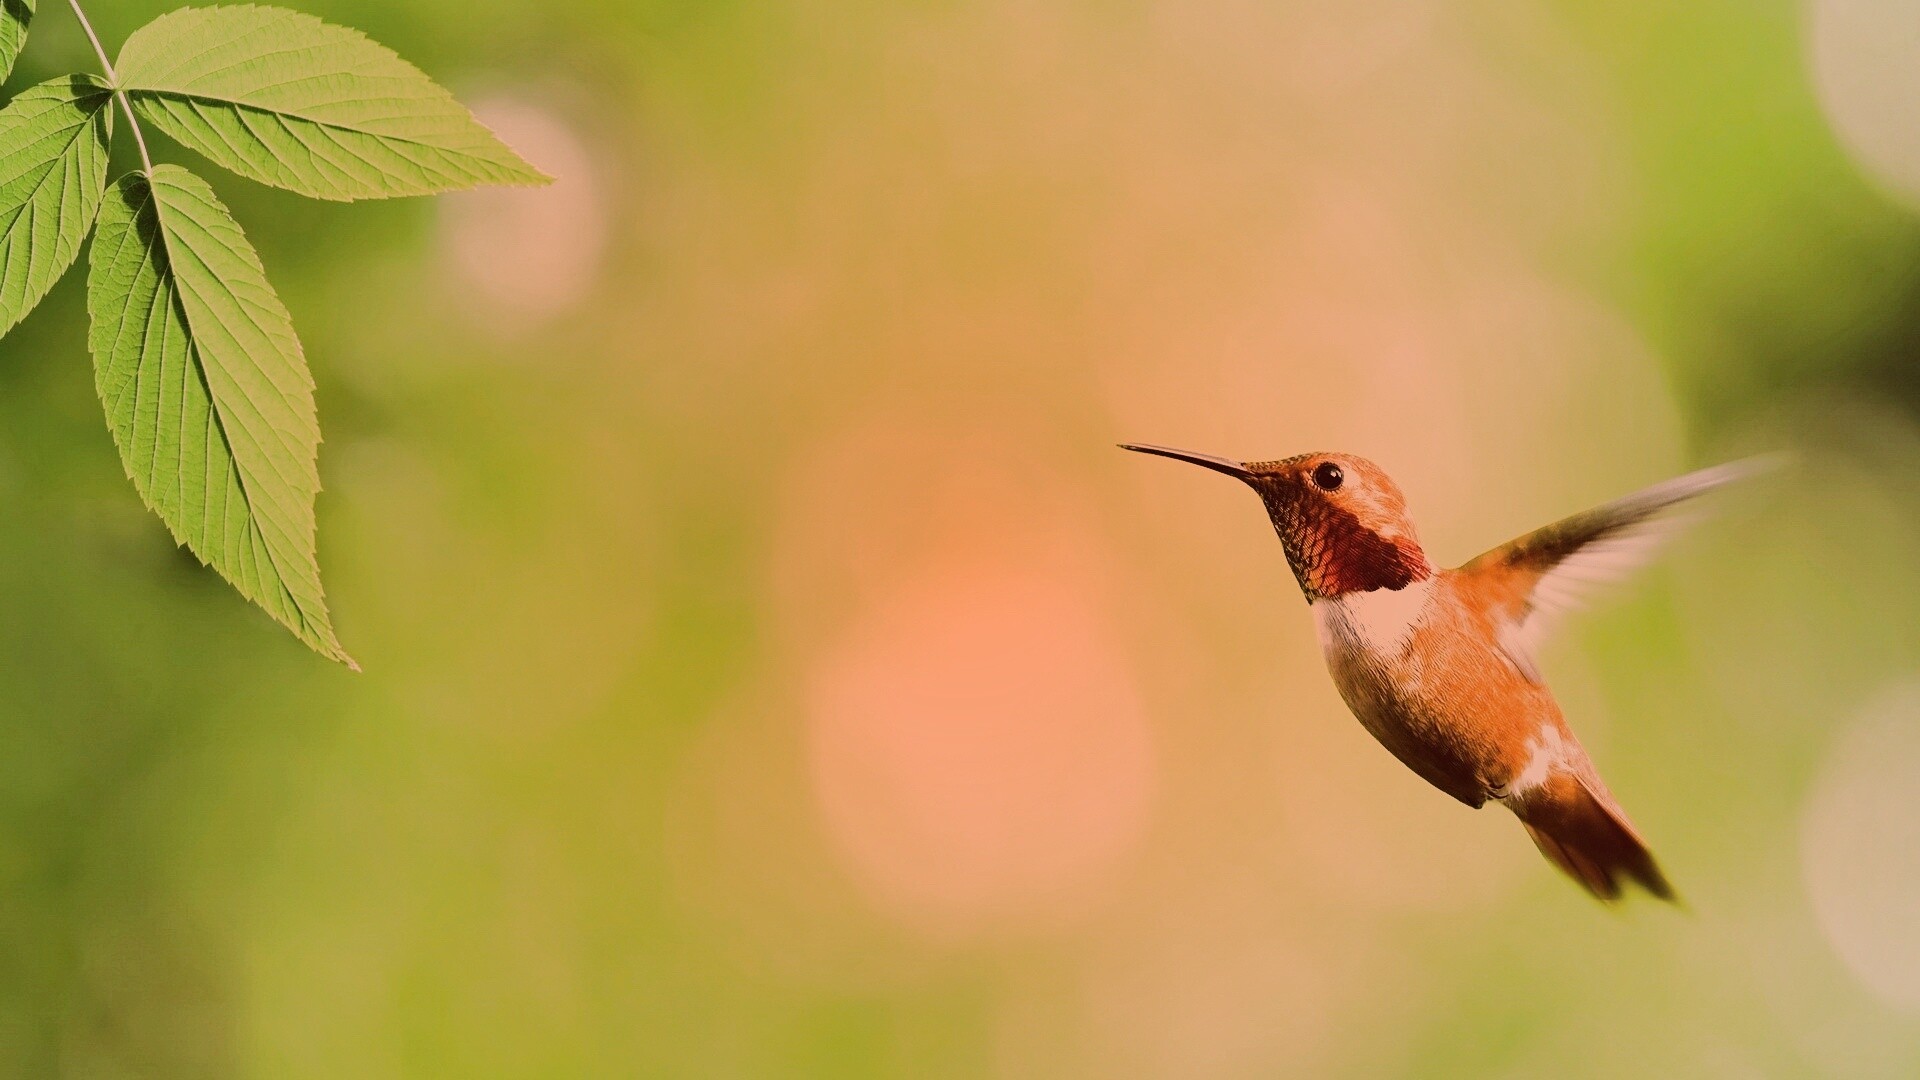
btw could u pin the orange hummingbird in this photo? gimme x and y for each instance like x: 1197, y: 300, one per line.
x: 1438, y: 665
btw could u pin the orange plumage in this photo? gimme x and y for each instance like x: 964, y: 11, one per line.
x: 1438, y: 665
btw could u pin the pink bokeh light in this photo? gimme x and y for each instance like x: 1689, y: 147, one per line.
x: 976, y: 745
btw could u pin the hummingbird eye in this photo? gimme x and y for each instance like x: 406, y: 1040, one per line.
x: 1327, y: 476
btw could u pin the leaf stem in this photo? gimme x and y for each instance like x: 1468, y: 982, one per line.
x: 113, y: 79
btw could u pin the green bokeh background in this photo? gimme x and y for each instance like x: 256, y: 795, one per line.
x: 879, y: 285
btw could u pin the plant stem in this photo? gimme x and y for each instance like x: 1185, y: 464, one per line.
x: 113, y: 79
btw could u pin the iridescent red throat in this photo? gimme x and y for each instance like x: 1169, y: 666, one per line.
x: 1333, y: 552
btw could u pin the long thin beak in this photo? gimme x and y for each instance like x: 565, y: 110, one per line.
x: 1205, y: 461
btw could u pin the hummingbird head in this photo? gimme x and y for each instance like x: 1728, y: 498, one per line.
x: 1343, y: 522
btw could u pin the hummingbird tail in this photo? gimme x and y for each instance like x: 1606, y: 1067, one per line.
x: 1586, y: 835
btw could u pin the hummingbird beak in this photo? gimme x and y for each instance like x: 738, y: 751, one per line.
x: 1205, y: 461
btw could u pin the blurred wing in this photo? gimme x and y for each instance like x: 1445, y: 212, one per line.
x: 1555, y: 569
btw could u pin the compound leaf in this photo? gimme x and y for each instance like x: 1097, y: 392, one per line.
x: 53, y: 170
x: 286, y: 99
x: 207, y: 392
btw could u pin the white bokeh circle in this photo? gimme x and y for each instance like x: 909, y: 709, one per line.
x: 1862, y: 54
x: 1860, y: 847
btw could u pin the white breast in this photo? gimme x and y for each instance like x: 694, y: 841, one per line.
x: 1380, y: 622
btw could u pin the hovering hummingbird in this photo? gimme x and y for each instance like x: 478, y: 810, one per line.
x: 1439, y: 665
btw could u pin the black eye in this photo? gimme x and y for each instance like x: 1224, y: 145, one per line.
x: 1327, y: 476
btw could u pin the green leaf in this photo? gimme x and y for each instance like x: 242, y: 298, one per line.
x: 53, y: 170
x: 207, y: 392
x: 14, y: 17
x: 285, y: 99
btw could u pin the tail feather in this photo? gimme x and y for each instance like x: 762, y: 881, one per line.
x: 1586, y: 835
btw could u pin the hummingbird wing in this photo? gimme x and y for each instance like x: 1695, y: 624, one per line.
x: 1555, y: 569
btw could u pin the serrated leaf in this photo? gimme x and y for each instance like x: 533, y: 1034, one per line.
x: 53, y: 170
x: 207, y: 392
x: 285, y: 99
x: 14, y: 17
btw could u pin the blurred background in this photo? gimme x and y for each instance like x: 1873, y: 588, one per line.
x: 772, y: 668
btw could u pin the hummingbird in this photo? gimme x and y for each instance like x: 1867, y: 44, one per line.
x: 1441, y: 666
